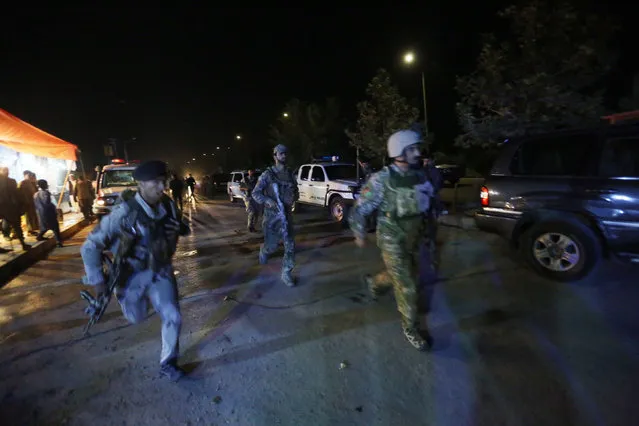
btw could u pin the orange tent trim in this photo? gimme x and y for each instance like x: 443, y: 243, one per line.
x: 21, y: 136
x: 622, y: 116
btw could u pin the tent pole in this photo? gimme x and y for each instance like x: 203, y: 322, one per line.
x: 63, y: 188
x: 84, y: 173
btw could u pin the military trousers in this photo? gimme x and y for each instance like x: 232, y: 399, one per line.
x: 406, y: 274
x: 143, y: 287
x: 253, y: 212
x: 272, y: 226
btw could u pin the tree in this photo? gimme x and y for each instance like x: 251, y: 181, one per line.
x: 385, y: 112
x: 549, y: 76
x: 309, y: 128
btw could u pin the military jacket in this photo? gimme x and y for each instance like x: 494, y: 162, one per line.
x: 136, y: 223
x: 287, y: 185
x: 401, y: 200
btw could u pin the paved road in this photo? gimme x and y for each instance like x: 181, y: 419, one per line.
x: 510, y: 348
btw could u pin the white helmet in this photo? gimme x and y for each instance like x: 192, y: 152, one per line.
x: 400, y: 140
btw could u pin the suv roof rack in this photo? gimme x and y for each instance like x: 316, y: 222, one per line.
x: 621, y: 117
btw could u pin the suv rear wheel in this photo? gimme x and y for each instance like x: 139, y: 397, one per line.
x: 561, y: 250
x: 338, y: 210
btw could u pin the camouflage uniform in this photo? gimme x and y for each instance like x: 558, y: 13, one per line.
x: 150, y: 276
x: 273, y: 226
x: 252, y: 208
x: 401, y: 199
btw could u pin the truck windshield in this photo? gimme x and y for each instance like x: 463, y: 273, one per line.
x: 112, y: 178
x: 342, y: 171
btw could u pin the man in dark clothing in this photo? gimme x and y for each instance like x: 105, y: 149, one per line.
x: 190, y: 182
x: 47, y: 212
x: 10, y: 205
x: 177, y: 189
x: 28, y: 188
x: 367, y: 171
x: 83, y: 195
x: 252, y: 207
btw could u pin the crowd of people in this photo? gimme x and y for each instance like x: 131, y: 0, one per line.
x: 28, y: 208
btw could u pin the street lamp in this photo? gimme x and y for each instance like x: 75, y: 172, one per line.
x: 285, y: 115
x: 238, y: 137
x: 409, y: 59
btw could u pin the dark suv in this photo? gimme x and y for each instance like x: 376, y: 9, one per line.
x: 567, y: 199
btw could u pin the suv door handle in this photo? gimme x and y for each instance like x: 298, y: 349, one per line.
x: 601, y: 191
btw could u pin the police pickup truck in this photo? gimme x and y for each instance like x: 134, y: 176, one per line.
x: 111, y: 181
x: 330, y: 184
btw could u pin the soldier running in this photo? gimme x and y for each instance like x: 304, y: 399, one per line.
x: 401, y: 193
x: 149, y: 224
x: 277, y: 190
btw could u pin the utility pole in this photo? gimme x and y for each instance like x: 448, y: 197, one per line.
x: 126, y: 152
x: 426, y: 134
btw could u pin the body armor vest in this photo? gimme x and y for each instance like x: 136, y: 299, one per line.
x: 157, y: 247
x: 403, y: 205
x: 286, y: 183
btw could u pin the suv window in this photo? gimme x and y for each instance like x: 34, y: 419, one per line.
x: 555, y: 156
x: 341, y: 171
x: 237, y: 177
x: 620, y: 158
x: 113, y: 178
x: 318, y: 174
x: 304, y: 172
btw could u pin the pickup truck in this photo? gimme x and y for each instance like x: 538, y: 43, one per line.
x: 329, y: 185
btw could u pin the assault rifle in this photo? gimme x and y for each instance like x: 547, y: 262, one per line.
x: 114, y: 272
x: 99, y: 303
x: 282, y: 211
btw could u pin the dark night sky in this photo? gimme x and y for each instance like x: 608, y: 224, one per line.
x: 184, y: 80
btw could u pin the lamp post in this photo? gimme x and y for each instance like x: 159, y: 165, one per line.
x: 409, y: 59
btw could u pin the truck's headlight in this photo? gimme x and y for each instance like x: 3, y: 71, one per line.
x: 354, y: 189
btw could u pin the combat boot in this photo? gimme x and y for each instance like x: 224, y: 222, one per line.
x: 415, y: 338
x: 375, y: 292
x: 171, y: 371
x: 288, y: 279
x: 368, y: 283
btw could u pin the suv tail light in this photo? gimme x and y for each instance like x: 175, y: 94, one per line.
x: 483, y: 195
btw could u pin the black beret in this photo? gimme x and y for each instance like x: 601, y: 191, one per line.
x: 151, y: 170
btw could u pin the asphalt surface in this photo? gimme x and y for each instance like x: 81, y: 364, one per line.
x: 509, y: 347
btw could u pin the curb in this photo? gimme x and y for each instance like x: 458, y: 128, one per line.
x: 38, y: 251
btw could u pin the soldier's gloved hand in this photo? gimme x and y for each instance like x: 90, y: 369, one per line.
x: 360, y: 241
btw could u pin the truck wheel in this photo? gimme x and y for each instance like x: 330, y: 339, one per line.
x: 231, y: 198
x: 561, y: 251
x: 338, y: 210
